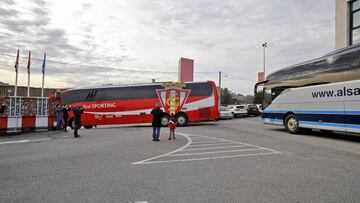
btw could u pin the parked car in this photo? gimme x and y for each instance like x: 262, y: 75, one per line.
x: 238, y: 110
x: 225, y: 113
x: 253, y: 110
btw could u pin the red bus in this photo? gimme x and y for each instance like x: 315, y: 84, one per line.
x: 127, y: 104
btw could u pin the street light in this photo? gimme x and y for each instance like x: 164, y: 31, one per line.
x: 264, y: 45
x: 220, y: 87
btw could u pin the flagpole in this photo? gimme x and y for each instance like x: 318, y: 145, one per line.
x: 28, y: 68
x: 43, y: 76
x: 16, y: 70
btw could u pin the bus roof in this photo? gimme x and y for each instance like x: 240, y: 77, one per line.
x: 336, y: 66
x: 130, y: 85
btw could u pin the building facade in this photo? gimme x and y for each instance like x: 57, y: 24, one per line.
x: 22, y: 91
x: 186, y: 70
x: 347, y: 22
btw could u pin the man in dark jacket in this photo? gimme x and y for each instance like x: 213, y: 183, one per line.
x: 2, y: 106
x: 65, y: 111
x: 156, y: 123
x: 78, y: 110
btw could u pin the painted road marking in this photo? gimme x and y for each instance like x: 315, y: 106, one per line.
x: 214, y: 152
x: 195, y: 151
x: 23, y: 141
x: 207, y: 148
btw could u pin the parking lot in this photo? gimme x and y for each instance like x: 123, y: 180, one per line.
x: 238, y: 160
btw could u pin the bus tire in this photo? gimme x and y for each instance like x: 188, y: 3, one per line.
x: 88, y: 126
x: 292, y: 124
x: 181, y: 119
x: 165, y: 120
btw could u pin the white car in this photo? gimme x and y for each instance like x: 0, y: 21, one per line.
x: 225, y: 113
x: 238, y: 110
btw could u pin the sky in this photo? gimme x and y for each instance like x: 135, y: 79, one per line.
x: 91, y: 42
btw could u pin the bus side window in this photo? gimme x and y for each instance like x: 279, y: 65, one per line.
x: 91, y: 95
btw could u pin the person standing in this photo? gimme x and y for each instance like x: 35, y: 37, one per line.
x: 172, y: 125
x: 3, y: 106
x: 65, y: 111
x: 156, y: 123
x: 78, y: 110
x: 58, y: 111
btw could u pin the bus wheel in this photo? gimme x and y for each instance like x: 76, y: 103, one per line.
x: 292, y: 124
x: 165, y: 120
x: 88, y: 126
x: 181, y: 119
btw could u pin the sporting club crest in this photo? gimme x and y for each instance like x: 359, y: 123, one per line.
x: 173, y: 96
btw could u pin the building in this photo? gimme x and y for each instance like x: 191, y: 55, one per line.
x: 347, y: 22
x: 186, y: 70
x: 8, y: 90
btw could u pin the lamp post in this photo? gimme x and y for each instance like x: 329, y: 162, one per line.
x: 220, y: 91
x: 219, y: 88
x: 264, y: 45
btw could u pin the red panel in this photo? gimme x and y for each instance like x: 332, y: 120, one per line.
x: 186, y: 70
x: 3, y: 122
x: 51, y: 120
x: 28, y: 122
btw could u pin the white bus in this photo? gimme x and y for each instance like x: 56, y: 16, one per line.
x: 320, y: 94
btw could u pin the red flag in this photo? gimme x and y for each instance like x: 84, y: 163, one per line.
x: 29, y: 62
x: 17, y: 61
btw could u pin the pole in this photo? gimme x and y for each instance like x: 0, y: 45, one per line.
x: 264, y: 46
x: 16, y: 70
x: 43, y: 76
x: 28, y: 68
x: 219, y: 88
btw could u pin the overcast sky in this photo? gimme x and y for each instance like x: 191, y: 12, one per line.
x: 131, y: 41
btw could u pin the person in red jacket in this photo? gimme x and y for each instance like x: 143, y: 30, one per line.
x: 172, y: 125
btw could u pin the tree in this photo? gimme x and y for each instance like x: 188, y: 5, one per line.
x: 258, y: 98
x: 226, y: 97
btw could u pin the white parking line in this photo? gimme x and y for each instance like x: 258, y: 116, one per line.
x: 23, y: 141
x: 213, y: 144
x: 194, y: 149
x: 215, y: 152
x: 14, y: 142
x: 208, y: 142
x: 209, y: 158
x: 207, y: 148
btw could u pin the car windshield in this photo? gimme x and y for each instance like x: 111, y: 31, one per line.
x: 240, y: 107
x: 223, y: 108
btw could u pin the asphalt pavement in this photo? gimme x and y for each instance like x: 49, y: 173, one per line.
x: 239, y: 160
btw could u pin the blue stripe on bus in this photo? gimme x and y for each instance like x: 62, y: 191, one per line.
x: 326, y: 118
x: 314, y: 112
x: 338, y: 125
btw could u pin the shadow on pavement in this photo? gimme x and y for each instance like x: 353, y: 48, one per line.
x: 331, y: 135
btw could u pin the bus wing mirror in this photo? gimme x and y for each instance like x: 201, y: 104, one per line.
x: 259, y: 83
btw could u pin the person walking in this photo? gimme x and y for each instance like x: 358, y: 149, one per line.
x: 65, y: 111
x: 172, y: 126
x: 58, y: 111
x: 156, y: 123
x: 78, y: 110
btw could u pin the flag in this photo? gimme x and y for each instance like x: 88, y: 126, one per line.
x: 29, y: 62
x: 17, y: 61
x: 43, y: 65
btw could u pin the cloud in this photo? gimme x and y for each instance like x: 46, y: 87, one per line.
x: 116, y: 36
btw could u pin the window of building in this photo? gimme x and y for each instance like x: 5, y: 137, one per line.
x: 354, y: 22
